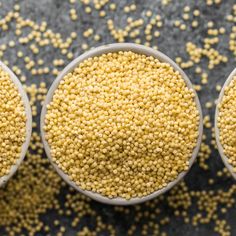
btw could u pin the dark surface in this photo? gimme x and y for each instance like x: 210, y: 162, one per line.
x: 171, y: 42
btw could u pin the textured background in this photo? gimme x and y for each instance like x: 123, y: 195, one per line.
x: 172, y: 42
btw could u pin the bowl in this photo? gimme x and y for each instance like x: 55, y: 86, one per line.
x: 25, y: 145
x: 217, y: 131
x: 97, y: 52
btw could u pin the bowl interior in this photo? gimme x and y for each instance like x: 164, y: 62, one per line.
x: 217, y: 131
x: 97, y: 52
x: 25, y: 145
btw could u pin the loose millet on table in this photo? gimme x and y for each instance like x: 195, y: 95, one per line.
x: 12, y: 123
x: 122, y: 124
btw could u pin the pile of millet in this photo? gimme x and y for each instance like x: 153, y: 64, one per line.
x: 227, y: 122
x: 12, y: 123
x: 122, y: 124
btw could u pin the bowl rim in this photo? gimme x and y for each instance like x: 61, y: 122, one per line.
x: 217, y: 131
x: 108, y: 49
x: 24, y: 97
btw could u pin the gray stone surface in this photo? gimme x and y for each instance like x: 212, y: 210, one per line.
x: 172, y: 42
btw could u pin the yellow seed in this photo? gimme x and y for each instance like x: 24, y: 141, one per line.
x: 183, y: 27
x: 196, y: 12
x: 149, y: 13
x: 112, y: 6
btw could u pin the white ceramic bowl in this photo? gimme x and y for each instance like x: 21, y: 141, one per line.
x: 96, y: 52
x: 217, y: 131
x: 25, y: 145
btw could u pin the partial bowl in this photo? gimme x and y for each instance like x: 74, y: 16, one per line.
x: 217, y: 131
x: 25, y: 145
x: 97, y: 52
